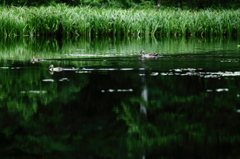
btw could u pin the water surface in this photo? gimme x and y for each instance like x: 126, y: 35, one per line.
x: 109, y: 102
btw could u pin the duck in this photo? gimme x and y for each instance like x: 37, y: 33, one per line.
x: 33, y: 60
x: 149, y: 55
x: 55, y: 69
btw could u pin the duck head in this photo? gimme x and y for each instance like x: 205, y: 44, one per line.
x: 142, y: 52
x: 51, y: 66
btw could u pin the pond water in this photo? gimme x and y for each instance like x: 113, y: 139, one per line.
x: 106, y: 101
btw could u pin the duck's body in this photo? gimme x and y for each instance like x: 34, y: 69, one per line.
x: 55, y: 69
x: 150, y: 55
x: 33, y: 60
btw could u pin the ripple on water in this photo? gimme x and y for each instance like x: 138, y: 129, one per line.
x: 218, y: 90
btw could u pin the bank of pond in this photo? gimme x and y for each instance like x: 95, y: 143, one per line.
x: 75, y: 21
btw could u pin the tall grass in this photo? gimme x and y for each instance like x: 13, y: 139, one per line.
x: 34, y: 21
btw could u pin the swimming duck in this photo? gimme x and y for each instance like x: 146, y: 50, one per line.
x: 33, y: 60
x: 55, y: 69
x: 148, y: 55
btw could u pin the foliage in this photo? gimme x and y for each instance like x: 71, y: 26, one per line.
x: 191, y: 4
x: 63, y: 20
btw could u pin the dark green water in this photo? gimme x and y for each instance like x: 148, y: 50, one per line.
x: 108, y: 102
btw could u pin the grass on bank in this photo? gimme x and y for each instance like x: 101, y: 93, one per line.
x: 52, y: 20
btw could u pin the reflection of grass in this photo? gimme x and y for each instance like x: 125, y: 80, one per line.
x: 25, y: 91
x: 83, y: 47
x: 179, y: 121
x: 92, y: 21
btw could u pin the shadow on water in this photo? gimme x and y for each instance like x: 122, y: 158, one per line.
x: 103, y: 100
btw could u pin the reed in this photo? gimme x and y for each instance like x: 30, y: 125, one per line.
x: 65, y: 20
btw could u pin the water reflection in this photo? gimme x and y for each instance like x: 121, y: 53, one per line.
x: 180, y: 131
x: 182, y: 105
x: 24, y: 48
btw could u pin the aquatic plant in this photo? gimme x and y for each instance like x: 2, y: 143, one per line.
x: 64, y: 20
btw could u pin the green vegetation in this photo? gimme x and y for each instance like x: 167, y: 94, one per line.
x: 64, y: 20
x: 192, y: 4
